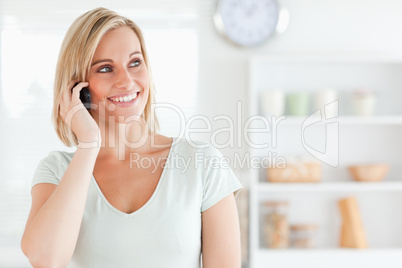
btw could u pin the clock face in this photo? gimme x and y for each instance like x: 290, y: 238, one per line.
x: 247, y: 22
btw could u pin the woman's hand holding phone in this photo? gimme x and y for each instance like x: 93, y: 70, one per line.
x: 78, y: 118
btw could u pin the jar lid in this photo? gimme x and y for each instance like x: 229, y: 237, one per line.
x: 276, y: 203
x: 303, y: 227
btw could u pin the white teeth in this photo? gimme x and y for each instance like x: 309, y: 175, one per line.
x: 125, y: 98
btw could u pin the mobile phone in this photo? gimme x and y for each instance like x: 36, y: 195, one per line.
x: 85, y: 96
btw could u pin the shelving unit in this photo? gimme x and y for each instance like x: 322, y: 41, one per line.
x: 361, y: 140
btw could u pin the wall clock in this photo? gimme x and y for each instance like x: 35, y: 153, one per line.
x: 247, y: 22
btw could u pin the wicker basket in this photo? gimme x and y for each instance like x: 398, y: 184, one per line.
x: 370, y: 172
x: 296, y: 172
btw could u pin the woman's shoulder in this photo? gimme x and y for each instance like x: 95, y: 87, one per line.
x: 57, y: 158
x: 52, y: 167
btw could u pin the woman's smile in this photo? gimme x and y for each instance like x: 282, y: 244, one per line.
x: 124, y: 100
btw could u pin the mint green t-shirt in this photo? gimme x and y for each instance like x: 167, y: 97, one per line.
x: 166, y: 231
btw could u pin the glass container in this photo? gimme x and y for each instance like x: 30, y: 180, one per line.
x: 303, y: 235
x: 276, y: 227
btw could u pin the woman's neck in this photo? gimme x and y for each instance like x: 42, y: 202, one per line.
x: 119, y: 140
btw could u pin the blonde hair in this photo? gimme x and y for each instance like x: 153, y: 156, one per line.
x: 75, y: 57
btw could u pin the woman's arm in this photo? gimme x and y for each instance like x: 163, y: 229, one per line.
x: 55, y: 218
x: 221, y: 235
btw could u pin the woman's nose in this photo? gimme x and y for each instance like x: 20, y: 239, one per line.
x: 124, y: 80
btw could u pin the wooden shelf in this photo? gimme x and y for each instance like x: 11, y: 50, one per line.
x: 349, y: 186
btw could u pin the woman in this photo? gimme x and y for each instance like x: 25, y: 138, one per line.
x: 101, y: 206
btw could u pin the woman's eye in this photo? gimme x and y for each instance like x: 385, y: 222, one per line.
x: 104, y: 69
x: 107, y: 69
x: 135, y: 63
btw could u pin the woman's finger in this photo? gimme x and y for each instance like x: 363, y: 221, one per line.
x: 77, y: 89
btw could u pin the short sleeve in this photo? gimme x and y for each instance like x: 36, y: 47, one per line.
x: 49, y: 169
x: 219, y: 179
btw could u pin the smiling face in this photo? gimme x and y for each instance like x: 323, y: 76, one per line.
x: 118, y: 78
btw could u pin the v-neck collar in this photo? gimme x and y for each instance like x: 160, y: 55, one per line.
x: 150, y: 199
